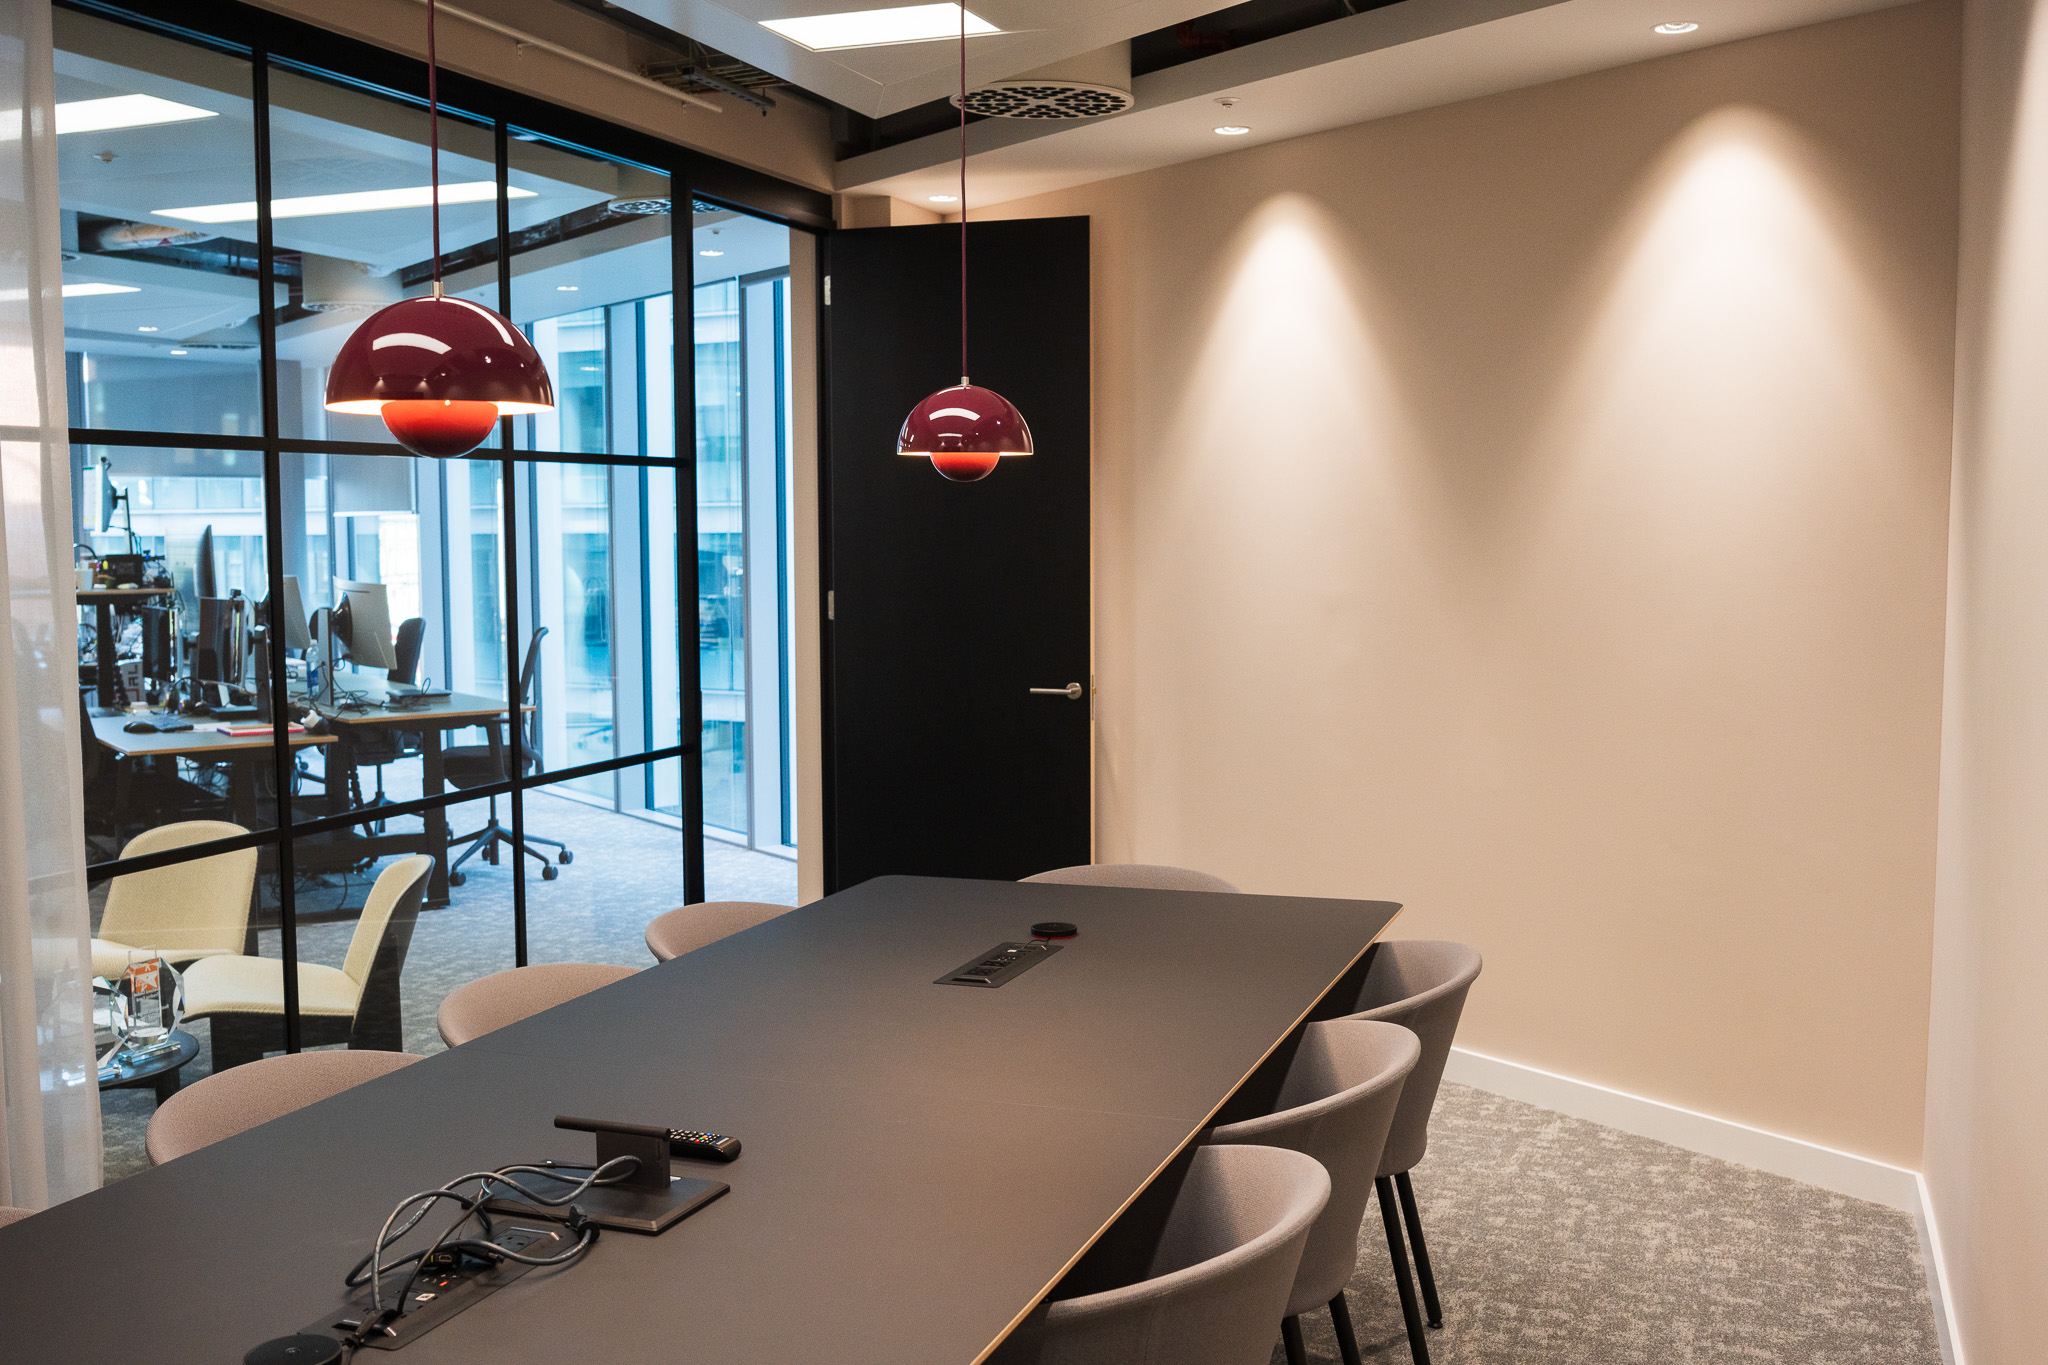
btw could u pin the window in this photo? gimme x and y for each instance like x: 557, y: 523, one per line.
x: 537, y: 581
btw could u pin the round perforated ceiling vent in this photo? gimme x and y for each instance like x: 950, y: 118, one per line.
x: 1046, y: 99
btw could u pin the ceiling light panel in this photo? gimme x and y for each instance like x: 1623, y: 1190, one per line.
x: 878, y: 27
x: 93, y: 289
x: 358, y: 201
x: 124, y: 111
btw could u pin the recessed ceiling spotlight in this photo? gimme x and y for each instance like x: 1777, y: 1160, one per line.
x: 1681, y: 26
x: 878, y: 27
x: 944, y: 198
x: 1233, y: 130
x: 708, y: 252
x: 567, y: 288
x: 181, y: 353
x: 145, y: 329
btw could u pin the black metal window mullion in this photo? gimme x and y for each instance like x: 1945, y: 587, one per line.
x: 282, y: 756
x: 785, y: 713
x: 508, y: 537
x: 689, y: 675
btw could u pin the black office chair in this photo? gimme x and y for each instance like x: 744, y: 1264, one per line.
x: 480, y: 765
x: 376, y: 746
x: 411, y: 632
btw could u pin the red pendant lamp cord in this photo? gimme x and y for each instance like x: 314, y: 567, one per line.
x: 434, y: 143
x: 963, y: 191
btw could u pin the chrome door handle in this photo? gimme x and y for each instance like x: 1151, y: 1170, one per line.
x: 1072, y: 691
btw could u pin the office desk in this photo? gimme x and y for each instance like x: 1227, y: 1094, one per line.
x: 103, y: 601
x: 921, y: 1162
x: 431, y: 720
x: 240, y: 752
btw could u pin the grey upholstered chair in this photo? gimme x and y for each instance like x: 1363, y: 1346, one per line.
x: 232, y: 1101
x: 693, y: 926
x: 1336, y: 1105
x: 1420, y: 984
x: 10, y: 1214
x: 1216, y: 1281
x: 491, y: 1002
x: 1152, y: 876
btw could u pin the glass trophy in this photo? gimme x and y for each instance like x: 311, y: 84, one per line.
x: 135, y: 1015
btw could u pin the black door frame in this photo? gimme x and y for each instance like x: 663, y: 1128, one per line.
x: 822, y: 293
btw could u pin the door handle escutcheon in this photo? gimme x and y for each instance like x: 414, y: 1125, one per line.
x: 1072, y: 691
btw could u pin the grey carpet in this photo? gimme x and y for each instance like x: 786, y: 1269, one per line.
x: 1558, y: 1240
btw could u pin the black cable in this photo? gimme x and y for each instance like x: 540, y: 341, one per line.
x: 609, y: 1173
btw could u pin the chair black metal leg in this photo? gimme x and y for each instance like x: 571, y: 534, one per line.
x: 1347, y: 1341
x: 1290, y: 1333
x: 470, y: 852
x: 1411, y: 1214
x: 1418, y: 1346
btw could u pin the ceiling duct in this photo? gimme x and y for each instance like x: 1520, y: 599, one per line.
x: 640, y: 193
x: 707, y: 69
x: 328, y: 284
x: 145, y: 236
x: 1091, y: 85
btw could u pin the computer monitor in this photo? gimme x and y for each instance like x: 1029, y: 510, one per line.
x: 288, y: 613
x: 205, y: 579
x: 222, y: 655
x: 362, y: 623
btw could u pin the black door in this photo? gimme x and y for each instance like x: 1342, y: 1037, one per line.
x: 949, y: 601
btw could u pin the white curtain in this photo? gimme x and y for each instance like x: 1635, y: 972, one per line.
x: 49, y: 1095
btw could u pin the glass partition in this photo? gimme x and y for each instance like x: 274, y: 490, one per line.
x: 740, y: 355
x: 626, y: 869
x: 157, y: 190
x: 358, y: 619
x: 353, y: 224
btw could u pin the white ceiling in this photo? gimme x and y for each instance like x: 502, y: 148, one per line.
x: 327, y: 139
x: 1407, y: 56
x: 883, y: 80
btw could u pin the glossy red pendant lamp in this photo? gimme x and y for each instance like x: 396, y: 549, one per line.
x: 964, y: 429
x: 439, y: 371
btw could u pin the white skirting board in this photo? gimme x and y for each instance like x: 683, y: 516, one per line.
x: 1842, y: 1172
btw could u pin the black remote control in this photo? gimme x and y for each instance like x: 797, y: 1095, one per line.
x: 703, y: 1146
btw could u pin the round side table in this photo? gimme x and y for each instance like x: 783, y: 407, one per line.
x: 159, y: 1073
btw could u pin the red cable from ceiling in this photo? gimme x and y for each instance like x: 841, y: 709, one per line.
x: 963, y: 192
x: 434, y: 142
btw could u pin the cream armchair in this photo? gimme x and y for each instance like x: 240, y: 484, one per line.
x: 357, y: 1003
x: 184, y: 912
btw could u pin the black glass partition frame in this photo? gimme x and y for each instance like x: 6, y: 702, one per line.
x: 313, y: 485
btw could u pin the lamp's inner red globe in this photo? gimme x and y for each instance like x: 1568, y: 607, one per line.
x: 964, y: 466
x: 443, y: 428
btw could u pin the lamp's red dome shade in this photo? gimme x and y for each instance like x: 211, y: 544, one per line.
x: 965, y: 429
x: 440, y: 372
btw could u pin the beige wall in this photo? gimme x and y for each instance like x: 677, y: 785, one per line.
x: 793, y: 140
x: 1987, y: 1101
x: 1535, y: 510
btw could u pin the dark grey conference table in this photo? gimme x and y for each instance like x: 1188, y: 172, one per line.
x: 922, y: 1162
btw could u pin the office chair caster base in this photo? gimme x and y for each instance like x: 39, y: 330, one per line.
x: 456, y: 879
x: 548, y: 874
x: 565, y: 857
